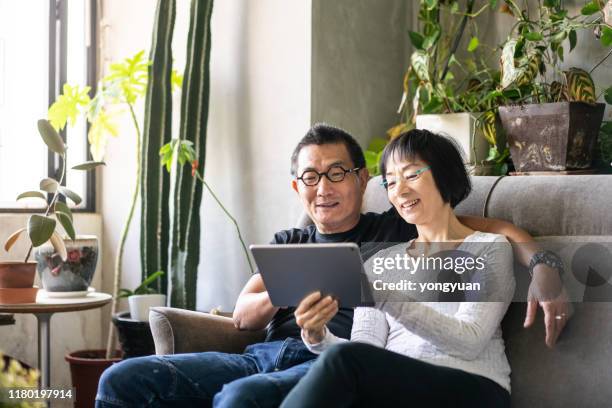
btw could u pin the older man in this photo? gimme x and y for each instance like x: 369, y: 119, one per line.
x: 330, y: 179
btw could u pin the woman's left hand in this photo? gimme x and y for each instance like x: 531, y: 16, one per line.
x: 547, y: 290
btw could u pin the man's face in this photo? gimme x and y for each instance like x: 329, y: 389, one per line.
x: 334, y: 207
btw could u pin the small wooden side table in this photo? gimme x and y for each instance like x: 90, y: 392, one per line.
x: 43, y: 309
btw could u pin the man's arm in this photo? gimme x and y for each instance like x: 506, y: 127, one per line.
x: 253, y: 309
x: 546, y: 281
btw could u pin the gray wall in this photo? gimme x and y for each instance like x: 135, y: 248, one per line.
x: 359, y: 52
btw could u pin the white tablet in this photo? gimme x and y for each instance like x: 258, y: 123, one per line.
x: 292, y: 271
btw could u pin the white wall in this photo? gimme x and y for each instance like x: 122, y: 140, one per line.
x: 259, y: 109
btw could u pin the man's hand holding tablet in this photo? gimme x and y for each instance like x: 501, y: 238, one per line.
x: 312, y: 315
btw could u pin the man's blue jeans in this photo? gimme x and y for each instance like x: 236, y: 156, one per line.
x: 261, y: 377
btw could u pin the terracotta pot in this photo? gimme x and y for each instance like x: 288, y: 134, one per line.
x: 15, y: 274
x: 16, y: 280
x: 12, y: 296
x: 86, y: 367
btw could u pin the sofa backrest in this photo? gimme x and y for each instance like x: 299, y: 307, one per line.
x: 578, y: 371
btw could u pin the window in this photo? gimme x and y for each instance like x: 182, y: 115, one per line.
x: 43, y: 44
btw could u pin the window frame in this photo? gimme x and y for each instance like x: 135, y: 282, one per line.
x: 58, y: 72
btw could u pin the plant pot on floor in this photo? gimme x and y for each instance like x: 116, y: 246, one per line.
x: 140, y: 305
x: 552, y: 136
x: 86, y: 367
x: 16, y: 282
x: 73, y: 275
x: 134, y: 336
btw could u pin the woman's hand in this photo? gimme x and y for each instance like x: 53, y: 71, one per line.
x: 313, y: 313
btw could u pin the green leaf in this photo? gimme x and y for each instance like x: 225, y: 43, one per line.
x: 590, y: 8
x: 416, y: 39
x: 420, y: 64
x: 123, y: 293
x: 32, y: 194
x: 572, y: 39
x: 533, y: 36
x: 377, y: 144
x: 40, y: 229
x: 50, y: 136
x: 62, y: 207
x: 66, y: 222
x: 89, y: 165
x: 473, y: 44
x: 558, y: 37
x: 371, y: 159
x: 49, y: 185
x: 66, y: 108
x: 606, y: 36
x: 432, y: 39
x: 551, y: 3
x: 492, y: 4
x: 102, y: 126
x: 560, y: 53
x: 71, y: 195
x: 129, y: 77
x: 606, y: 128
x: 145, y: 283
x: 431, y: 4
x: 608, y: 95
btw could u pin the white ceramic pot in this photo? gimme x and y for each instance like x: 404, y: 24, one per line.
x: 140, y: 304
x: 462, y: 128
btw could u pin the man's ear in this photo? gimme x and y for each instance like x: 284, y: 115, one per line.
x: 364, y: 177
x: 294, y: 185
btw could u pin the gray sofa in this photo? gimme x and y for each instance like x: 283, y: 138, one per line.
x: 576, y: 373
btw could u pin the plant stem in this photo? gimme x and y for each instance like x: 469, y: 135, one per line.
x: 458, y: 36
x: 126, y: 227
x: 246, y: 253
x: 53, y: 201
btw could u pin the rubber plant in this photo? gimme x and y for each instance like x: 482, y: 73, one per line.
x: 44, y: 227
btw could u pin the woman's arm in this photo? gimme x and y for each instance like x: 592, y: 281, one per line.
x: 466, y: 333
x: 546, y: 281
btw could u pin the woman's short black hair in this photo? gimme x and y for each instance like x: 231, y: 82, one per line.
x: 441, y: 153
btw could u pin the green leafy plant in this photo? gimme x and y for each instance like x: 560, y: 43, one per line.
x: 144, y: 288
x: 448, y: 73
x: 535, y: 49
x: 43, y: 228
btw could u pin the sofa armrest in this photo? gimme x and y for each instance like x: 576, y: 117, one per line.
x: 185, y: 331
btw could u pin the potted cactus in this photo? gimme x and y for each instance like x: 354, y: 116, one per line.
x: 17, y: 277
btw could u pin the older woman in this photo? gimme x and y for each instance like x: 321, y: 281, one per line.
x: 421, y: 354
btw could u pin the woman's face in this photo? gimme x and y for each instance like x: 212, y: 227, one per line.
x: 412, y: 190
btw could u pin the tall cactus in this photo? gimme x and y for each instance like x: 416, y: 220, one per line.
x: 155, y: 187
x: 185, y: 250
